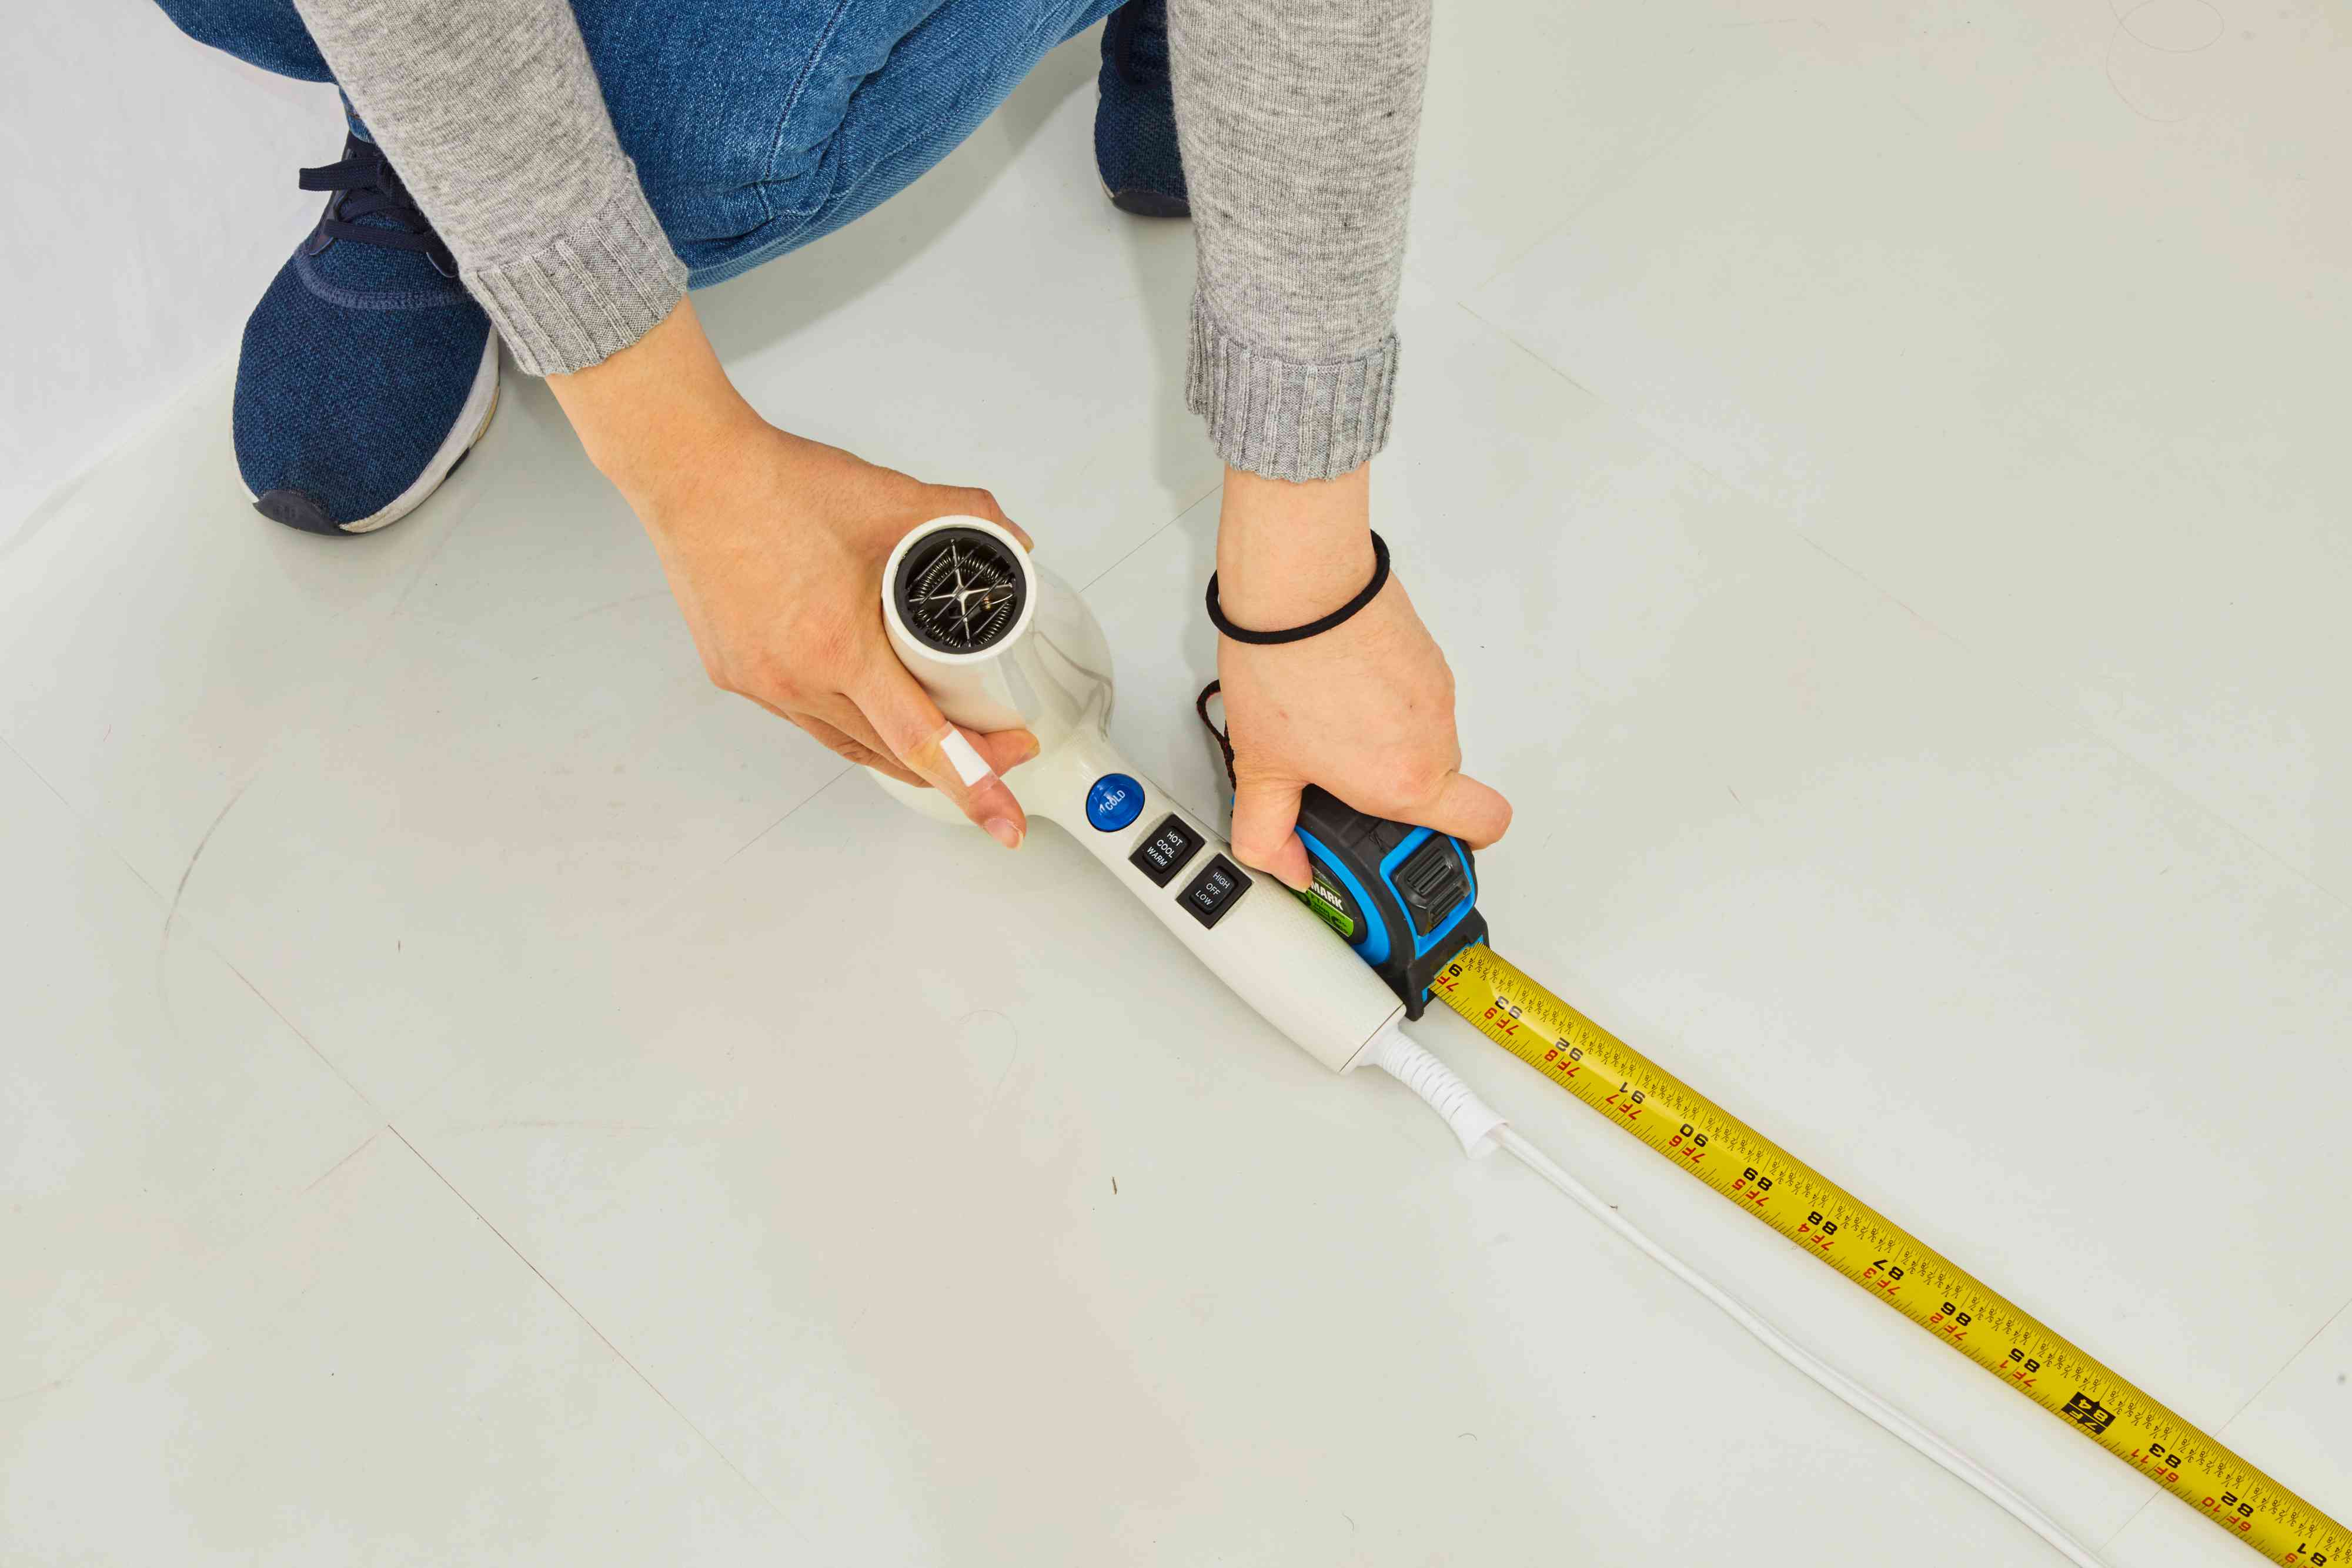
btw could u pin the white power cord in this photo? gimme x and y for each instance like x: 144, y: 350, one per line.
x: 1476, y: 1123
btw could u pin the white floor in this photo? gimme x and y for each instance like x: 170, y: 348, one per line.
x: 474, y: 1093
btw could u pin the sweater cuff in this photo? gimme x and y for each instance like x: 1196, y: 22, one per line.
x: 1288, y: 419
x: 597, y: 286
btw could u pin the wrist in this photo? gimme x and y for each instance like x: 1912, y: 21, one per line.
x: 1288, y: 553
x: 657, y: 417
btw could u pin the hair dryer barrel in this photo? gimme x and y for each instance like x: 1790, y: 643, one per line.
x: 959, y: 594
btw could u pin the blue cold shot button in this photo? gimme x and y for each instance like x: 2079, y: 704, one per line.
x: 1115, y: 801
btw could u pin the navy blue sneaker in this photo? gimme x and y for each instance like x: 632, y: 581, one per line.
x: 367, y: 371
x: 1135, y: 123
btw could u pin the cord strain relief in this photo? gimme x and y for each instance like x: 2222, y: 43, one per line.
x: 1472, y: 1120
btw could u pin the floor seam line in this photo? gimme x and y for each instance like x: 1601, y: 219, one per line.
x: 1131, y: 551
x: 602, y: 1338
x: 83, y: 818
x: 205, y: 1258
x: 2221, y: 1431
x: 2074, y: 715
x: 1625, y: 178
x: 2269, y: 1382
x: 740, y: 850
x: 294, y: 1029
x: 171, y: 917
x: 2132, y: 1518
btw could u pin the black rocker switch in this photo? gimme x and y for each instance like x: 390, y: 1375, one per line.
x: 1217, y: 889
x: 1164, y: 852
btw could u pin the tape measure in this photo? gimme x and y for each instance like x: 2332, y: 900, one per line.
x: 1404, y: 897
x: 1821, y: 1217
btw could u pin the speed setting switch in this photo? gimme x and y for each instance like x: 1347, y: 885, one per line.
x: 1217, y: 889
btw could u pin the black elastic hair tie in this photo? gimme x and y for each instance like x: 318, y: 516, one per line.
x: 1313, y: 628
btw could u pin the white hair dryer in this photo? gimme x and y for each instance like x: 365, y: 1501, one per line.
x: 1000, y: 644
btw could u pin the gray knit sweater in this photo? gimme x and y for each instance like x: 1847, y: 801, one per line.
x: 1296, y: 120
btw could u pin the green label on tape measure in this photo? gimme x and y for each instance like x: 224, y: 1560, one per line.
x: 1329, y: 904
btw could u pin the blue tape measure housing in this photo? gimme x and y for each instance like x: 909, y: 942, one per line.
x: 1405, y: 897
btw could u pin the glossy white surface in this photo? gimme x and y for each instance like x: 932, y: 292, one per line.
x: 488, y: 1096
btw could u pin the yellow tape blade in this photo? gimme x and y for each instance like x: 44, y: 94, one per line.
x: 1705, y: 1141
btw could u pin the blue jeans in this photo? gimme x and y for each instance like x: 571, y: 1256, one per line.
x: 757, y: 125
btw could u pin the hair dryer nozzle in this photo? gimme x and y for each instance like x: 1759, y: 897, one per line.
x: 998, y: 641
x: 958, y: 595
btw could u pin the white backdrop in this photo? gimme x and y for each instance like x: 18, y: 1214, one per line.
x: 150, y: 195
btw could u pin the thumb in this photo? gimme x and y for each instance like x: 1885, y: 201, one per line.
x: 1470, y: 811
x: 1265, y: 824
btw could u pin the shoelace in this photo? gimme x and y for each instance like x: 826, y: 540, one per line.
x: 372, y: 188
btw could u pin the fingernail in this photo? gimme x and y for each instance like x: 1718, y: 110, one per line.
x: 1004, y: 832
x: 1029, y: 752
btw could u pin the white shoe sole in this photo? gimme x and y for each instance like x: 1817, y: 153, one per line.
x: 472, y: 420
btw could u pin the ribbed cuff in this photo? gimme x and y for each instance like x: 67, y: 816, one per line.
x: 1284, y: 418
x: 597, y: 286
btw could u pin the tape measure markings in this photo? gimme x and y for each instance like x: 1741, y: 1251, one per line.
x: 1819, y: 1217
